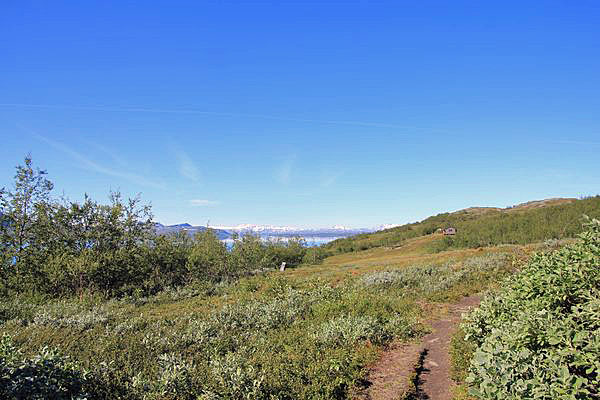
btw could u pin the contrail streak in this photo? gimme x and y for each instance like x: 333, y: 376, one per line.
x: 577, y: 142
x: 216, y: 113
x: 85, y: 162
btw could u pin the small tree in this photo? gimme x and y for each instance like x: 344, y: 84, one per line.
x: 208, y: 258
x: 291, y: 251
x: 62, y: 247
x: 24, y: 215
x: 249, y: 253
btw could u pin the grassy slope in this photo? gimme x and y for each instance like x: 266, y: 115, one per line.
x: 414, y: 251
x: 486, y: 226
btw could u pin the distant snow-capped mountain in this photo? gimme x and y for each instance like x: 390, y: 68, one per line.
x: 256, y: 228
x: 385, y: 226
x: 191, y: 230
x: 273, y: 231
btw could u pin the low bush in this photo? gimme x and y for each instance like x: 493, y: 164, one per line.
x: 47, y: 375
x: 447, y: 281
x: 539, y: 337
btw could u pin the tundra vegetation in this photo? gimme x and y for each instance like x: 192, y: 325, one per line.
x: 482, y: 227
x: 538, y: 337
x: 95, y: 305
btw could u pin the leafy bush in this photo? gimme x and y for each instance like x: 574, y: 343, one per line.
x: 461, y: 354
x: 291, y: 251
x: 438, y: 281
x: 249, y: 253
x: 208, y: 257
x: 173, y: 381
x: 351, y: 329
x: 44, y: 376
x: 314, y: 255
x: 540, y: 336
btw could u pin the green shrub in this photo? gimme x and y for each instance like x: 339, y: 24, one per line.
x: 461, y: 354
x: 208, y: 257
x: 314, y: 255
x: 47, y: 375
x: 291, y: 251
x: 540, y: 336
x: 443, y: 282
x: 250, y: 253
x: 351, y: 329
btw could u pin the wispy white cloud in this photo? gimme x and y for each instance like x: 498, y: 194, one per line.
x: 116, y: 158
x: 283, y: 174
x: 86, y: 163
x: 204, y: 203
x: 187, y: 167
x: 328, y: 178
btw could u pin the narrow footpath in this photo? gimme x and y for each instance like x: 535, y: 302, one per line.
x: 423, y: 368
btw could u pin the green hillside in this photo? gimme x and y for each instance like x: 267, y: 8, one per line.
x: 480, y: 227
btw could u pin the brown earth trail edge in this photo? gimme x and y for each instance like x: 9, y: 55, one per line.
x: 423, y: 367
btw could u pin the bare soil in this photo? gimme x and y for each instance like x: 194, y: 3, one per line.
x: 418, y: 371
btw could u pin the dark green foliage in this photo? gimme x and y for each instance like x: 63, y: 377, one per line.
x: 47, y: 375
x: 249, y: 253
x: 292, y: 251
x: 24, y: 221
x: 540, y: 336
x: 208, y: 258
x: 167, y: 262
x: 461, y: 354
x: 314, y: 255
x: 62, y: 248
x: 76, y: 248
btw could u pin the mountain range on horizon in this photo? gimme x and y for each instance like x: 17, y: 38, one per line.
x: 271, y: 231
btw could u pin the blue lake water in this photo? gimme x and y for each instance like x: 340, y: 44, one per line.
x: 311, y: 241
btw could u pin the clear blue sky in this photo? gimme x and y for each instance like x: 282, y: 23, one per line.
x: 304, y: 113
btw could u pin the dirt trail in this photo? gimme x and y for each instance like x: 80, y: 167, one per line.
x: 423, y: 367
